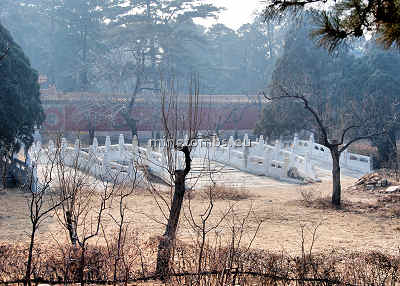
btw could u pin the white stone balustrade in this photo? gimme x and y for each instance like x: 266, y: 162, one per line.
x: 110, y: 162
x: 320, y: 153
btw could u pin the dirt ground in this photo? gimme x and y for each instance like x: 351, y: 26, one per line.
x: 279, y: 205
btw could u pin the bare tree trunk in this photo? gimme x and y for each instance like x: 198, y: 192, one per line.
x: 30, y: 254
x: 336, y: 192
x: 127, y: 114
x: 91, y: 135
x: 119, y: 245
x: 84, y: 72
x: 168, y: 239
x: 133, y: 127
x: 71, y: 227
x: 4, y: 172
x: 82, y: 265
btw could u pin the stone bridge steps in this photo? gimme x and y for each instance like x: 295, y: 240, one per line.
x: 205, y: 166
x: 203, y: 170
x: 206, y: 172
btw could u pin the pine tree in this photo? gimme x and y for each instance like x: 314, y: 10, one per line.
x: 346, y: 20
x: 20, y: 106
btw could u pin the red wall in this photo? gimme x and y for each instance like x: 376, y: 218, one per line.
x: 74, y: 117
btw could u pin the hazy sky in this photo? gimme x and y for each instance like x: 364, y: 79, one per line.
x: 237, y: 13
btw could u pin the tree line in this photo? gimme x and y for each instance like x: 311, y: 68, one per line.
x: 127, y: 46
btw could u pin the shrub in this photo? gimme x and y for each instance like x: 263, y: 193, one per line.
x: 222, y: 192
x: 223, y: 265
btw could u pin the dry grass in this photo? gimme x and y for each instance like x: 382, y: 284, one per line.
x: 384, y: 205
x: 223, y: 265
x: 314, y: 199
x: 369, y: 267
x: 220, y: 193
x: 277, y: 203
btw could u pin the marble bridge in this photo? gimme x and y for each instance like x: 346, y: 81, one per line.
x: 252, y: 162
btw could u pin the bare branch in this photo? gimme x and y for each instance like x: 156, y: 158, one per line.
x: 306, y: 106
x: 369, y: 136
x: 347, y: 130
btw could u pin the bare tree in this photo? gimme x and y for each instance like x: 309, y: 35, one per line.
x: 335, y: 145
x: 139, y: 53
x: 41, y: 203
x: 203, y: 227
x: 84, y: 204
x: 234, y: 116
x: 175, y: 120
x: 122, y: 192
x: 100, y: 111
x: 126, y: 71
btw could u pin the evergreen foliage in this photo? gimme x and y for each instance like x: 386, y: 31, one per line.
x: 20, y: 106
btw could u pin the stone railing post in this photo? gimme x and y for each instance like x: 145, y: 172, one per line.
x: 286, y: 164
x: 246, y: 150
x: 93, y: 148
x: 231, y: 143
x: 135, y: 145
x: 260, y: 147
x: 95, y: 143
x: 200, y: 147
x: 308, y: 166
x: 36, y: 135
x: 51, y: 150
x: 63, y: 151
x: 311, y: 143
x: 121, y: 146
x: 121, y: 142
x: 214, y: 147
x: 267, y: 161
x: 108, y: 144
x: 161, y: 146
x: 38, y: 146
x: 106, y: 164
x: 64, y: 143
x: 131, y: 170
x: 277, y: 150
x: 34, y: 185
x: 281, y: 144
x: 295, y: 142
x: 51, y: 146
x: 77, y: 147
x: 149, y: 150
